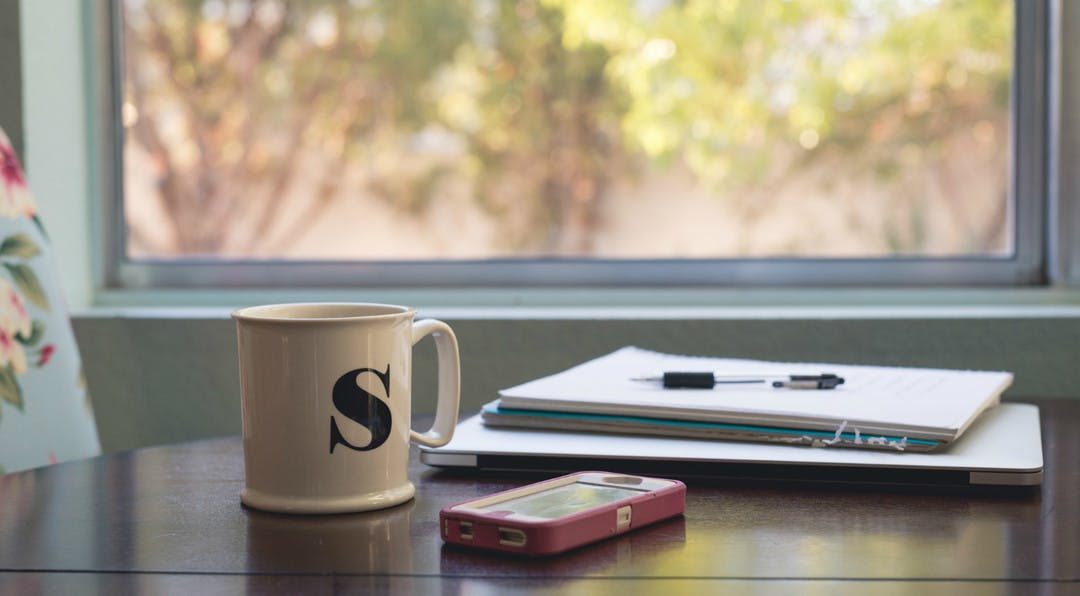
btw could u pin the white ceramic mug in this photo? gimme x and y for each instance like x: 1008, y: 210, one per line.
x: 326, y: 397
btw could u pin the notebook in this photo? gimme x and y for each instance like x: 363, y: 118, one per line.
x: 495, y: 415
x: 906, y: 408
x: 1002, y: 448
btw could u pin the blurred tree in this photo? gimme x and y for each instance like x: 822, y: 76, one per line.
x: 237, y: 102
x: 539, y: 104
x: 749, y: 92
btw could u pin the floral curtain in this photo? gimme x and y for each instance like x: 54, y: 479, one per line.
x: 45, y: 411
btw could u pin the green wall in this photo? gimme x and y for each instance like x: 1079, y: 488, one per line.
x: 11, y: 114
x: 160, y: 380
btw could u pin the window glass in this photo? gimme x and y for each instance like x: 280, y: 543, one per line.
x: 610, y: 129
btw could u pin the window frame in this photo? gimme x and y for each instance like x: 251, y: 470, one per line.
x: 1029, y: 195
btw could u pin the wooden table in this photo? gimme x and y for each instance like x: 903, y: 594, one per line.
x: 168, y: 519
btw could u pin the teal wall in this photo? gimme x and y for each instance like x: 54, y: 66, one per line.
x: 11, y: 115
x: 162, y: 380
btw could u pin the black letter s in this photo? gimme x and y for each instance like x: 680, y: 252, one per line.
x: 362, y: 407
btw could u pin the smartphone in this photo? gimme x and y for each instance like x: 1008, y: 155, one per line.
x: 563, y: 513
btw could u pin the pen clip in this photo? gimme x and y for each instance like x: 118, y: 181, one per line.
x: 822, y: 381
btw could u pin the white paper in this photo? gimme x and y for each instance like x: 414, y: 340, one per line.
x: 920, y: 403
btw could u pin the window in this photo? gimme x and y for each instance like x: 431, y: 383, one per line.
x: 552, y: 142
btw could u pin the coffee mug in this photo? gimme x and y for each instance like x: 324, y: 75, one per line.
x: 325, y: 392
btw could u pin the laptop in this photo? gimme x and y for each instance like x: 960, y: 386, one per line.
x: 1002, y: 448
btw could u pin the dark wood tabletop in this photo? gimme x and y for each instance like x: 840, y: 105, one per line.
x: 169, y: 519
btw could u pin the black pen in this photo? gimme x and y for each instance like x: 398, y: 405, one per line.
x: 708, y: 380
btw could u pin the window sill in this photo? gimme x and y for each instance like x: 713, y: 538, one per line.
x: 616, y: 304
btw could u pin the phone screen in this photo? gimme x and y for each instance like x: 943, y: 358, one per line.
x: 564, y: 500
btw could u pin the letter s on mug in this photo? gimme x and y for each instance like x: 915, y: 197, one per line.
x: 360, y: 406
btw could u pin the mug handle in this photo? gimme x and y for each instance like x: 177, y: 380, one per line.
x: 446, y: 410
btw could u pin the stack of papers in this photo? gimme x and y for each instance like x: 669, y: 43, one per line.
x: 906, y: 409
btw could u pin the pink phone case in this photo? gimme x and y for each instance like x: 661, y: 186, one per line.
x: 494, y: 531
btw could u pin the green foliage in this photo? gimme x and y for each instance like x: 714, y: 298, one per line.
x: 27, y: 281
x: 37, y: 331
x: 20, y: 246
x: 9, y: 387
x: 727, y: 84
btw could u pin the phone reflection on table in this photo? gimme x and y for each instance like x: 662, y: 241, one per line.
x: 631, y: 554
